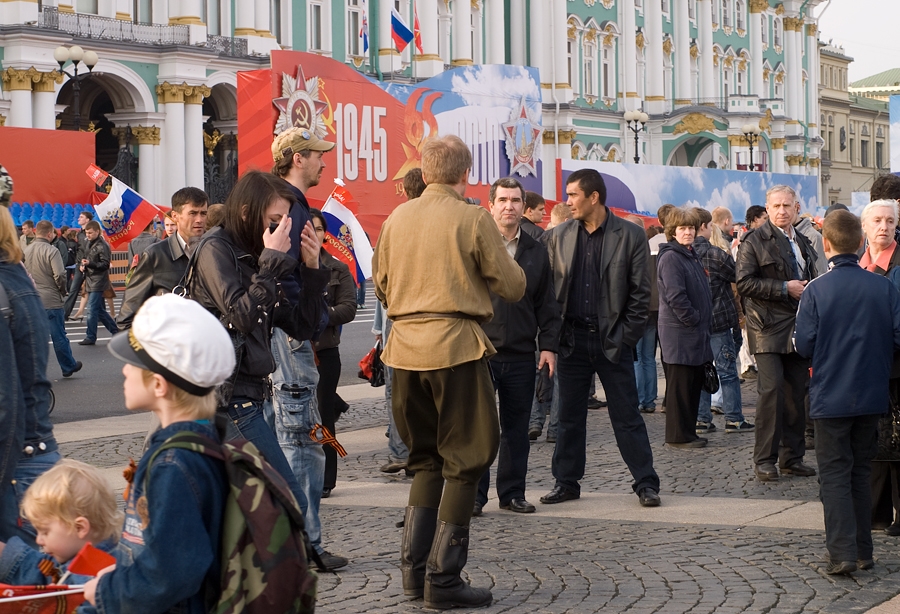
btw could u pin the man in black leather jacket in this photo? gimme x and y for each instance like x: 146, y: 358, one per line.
x: 162, y: 265
x: 774, y: 264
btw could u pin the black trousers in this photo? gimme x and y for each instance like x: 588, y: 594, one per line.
x: 326, y: 393
x: 844, y: 451
x: 885, y: 491
x: 448, y: 420
x: 74, y: 292
x: 684, y: 383
x: 780, y: 410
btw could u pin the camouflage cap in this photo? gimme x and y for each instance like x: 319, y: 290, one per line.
x: 295, y: 140
x: 6, y: 188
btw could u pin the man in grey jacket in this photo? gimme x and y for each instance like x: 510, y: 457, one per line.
x: 45, y: 265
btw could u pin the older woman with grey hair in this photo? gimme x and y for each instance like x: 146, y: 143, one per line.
x: 879, y: 219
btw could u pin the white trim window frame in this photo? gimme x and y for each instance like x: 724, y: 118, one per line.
x: 590, y: 68
x: 355, y: 11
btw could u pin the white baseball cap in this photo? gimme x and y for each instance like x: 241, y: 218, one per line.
x: 180, y: 340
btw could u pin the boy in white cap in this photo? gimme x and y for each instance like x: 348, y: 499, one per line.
x: 175, y: 355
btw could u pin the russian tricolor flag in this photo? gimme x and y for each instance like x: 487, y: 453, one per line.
x: 400, y: 32
x: 346, y: 240
x: 124, y: 213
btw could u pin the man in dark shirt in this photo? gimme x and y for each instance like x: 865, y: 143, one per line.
x: 533, y: 214
x: 512, y: 331
x: 602, y: 283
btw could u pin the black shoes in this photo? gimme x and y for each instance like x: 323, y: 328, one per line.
x: 330, y: 562
x: 840, y: 568
x: 595, y: 403
x: 865, y: 564
x: 533, y: 433
x: 86, y: 342
x: 77, y: 368
x: 800, y: 469
x: 444, y: 588
x: 326, y: 492
x: 766, y: 472
x: 558, y: 495
x: 893, y: 530
x: 649, y: 497
x: 518, y: 505
x: 477, y: 509
x: 700, y: 442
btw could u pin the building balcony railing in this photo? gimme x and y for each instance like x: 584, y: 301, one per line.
x: 93, y: 26
x: 227, y: 45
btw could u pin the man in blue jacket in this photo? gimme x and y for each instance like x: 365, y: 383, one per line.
x: 851, y: 338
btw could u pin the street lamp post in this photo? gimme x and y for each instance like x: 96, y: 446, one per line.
x: 635, y: 121
x: 76, y: 54
x: 751, y: 135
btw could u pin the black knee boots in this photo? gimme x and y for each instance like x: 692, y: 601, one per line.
x: 418, y: 534
x: 444, y: 588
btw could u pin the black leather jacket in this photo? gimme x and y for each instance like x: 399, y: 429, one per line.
x: 159, y: 269
x: 96, y: 271
x: 244, y: 293
x: 764, y: 266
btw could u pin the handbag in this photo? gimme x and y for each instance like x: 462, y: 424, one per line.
x: 371, y: 368
x: 710, y: 378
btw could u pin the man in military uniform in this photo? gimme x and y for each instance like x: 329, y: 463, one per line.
x: 443, y: 398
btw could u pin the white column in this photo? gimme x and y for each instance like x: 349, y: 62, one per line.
x: 777, y: 153
x: 683, y: 93
x: 655, y: 98
x: 793, y: 68
x: 757, y: 86
x: 495, y: 24
x: 148, y: 144
x: 707, y: 68
x: 18, y: 84
x: 244, y: 18
x: 193, y: 135
x: 539, y: 40
x: 429, y: 62
x: 106, y: 8
x: 628, y: 50
x: 444, y: 21
x: 173, y: 139
x: 123, y: 10
x: 557, y: 53
x: 261, y: 19
x: 388, y: 56
x: 43, y: 100
x: 812, y: 85
x: 159, y: 12
x: 462, y: 33
x: 517, y: 55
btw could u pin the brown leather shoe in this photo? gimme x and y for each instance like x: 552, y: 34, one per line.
x: 800, y: 469
x: 766, y: 472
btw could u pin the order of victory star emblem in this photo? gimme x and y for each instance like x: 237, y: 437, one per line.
x: 299, y: 105
x: 523, y: 141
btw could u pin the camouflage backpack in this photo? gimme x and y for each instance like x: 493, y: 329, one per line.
x: 265, y: 549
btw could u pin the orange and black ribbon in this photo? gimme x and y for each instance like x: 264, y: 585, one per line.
x: 321, y: 434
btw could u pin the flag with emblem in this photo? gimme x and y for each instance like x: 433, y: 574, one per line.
x: 124, y: 213
x: 400, y: 31
x: 364, y: 29
x: 345, y: 239
x: 40, y: 599
x: 417, y: 32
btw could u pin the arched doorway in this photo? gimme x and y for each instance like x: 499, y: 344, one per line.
x: 700, y: 152
x: 220, y: 141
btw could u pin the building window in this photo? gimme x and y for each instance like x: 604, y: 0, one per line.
x: 740, y: 81
x: 590, y: 69
x: 86, y: 6
x: 864, y: 153
x: 765, y: 28
x: 852, y: 152
x: 664, y: 5
x: 726, y: 83
x: 142, y: 13
x: 879, y: 155
x: 275, y: 23
x: 779, y: 88
x: 606, y: 74
x: 638, y: 4
x: 692, y: 9
x: 572, y: 60
x: 739, y: 14
x: 776, y: 27
x: 315, y: 26
x: 354, y: 25
x: 726, y: 17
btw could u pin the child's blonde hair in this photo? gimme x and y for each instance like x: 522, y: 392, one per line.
x: 71, y: 489
x: 198, y: 408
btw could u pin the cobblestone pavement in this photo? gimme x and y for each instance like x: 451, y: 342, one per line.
x: 539, y: 563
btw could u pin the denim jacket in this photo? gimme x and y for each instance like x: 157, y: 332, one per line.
x: 173, y: 531
x: 19, y: 563
x: 25, y: 394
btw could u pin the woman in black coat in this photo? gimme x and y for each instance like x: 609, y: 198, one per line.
x: 685, y: 316
x: 340, y: 295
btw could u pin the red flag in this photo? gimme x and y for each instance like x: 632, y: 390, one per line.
x: 89, y: 561
x: 417, y: 33
x: 40, y: 599
x: 97, y: 174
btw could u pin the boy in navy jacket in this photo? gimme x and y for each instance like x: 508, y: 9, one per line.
x: 848, y: 323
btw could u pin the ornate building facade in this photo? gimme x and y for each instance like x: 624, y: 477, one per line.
x: 166, y: 79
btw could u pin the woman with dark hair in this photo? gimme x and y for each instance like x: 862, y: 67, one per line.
x: 340, y: 296
x: 685, y: 316
x: 235, y: 276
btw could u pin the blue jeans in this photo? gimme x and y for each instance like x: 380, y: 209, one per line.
x: 539, y: 411
x: 725, y: 357
x: 514, y: 383
x: 398, y: 452
x: 294, y: 413
x: 576, y: 368
x: 96, y: 310
x: 645, y: 369
x: 60, y: 341
x: 28, y: 469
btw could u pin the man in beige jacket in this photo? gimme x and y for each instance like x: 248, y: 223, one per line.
x: 436, y: 259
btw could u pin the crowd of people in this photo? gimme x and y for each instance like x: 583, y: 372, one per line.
x: 238, y: 314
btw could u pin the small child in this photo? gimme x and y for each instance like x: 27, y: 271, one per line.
x: 70, y: 505
x: 848, y: 323
x: 175, y: 355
